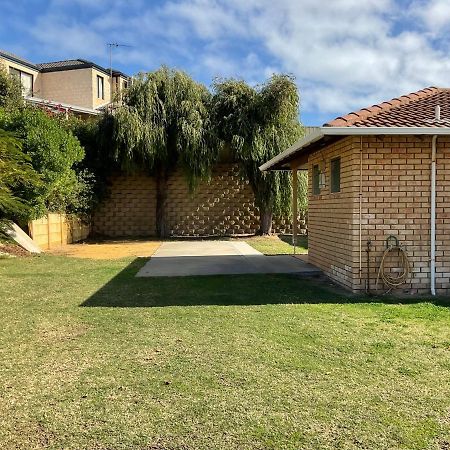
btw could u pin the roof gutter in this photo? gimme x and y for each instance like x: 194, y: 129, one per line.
x: 62, y: 106
x: 320, y: 132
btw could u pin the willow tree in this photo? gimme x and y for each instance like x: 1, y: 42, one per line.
x: 164, y: 123
x: 258, y: 123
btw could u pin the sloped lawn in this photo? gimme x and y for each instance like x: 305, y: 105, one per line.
x: 93, y: 358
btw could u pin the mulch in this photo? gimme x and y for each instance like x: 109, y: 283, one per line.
x: 14, y: 250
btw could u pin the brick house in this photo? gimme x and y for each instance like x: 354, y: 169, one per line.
x: 76, y: 85
x: 379, y: 172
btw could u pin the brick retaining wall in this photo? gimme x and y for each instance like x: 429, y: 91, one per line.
x: 223, y: 206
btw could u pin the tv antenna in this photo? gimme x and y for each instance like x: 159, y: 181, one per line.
x: 110, y: 46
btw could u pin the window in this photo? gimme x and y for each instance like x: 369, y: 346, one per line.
x: 316, y: 180
x: 100, y: 87
x: 335, y: 182
x: 26, y: 80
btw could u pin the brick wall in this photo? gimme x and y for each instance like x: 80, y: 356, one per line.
x: 69, y: 86
x: 331, y: 215
x: 223, y: 206
x: 395, y: 201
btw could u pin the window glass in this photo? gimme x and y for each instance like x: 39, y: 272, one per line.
x: 100, y: 91
x: 27, y: 84
x: 26, y: 80
x: 14, y: 72
x: 335, y: 182
x: 316, y: 180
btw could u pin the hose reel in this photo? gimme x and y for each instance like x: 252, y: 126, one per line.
x: 385, y: 273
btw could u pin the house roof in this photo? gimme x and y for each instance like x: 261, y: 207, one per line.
x: 17, y: 59
x: 412, y: 114
x: 412, y: 110
x: 55, y: 66
x: 73, y: 64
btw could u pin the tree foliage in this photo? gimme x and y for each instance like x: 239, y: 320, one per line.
x: 10, y: 91
x: 258, y: 123
x: 97, y: 160
x: 164, y: 123
x: 52, y: 152
x: 16, y: 176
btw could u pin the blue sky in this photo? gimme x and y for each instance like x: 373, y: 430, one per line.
x: 345, y: 54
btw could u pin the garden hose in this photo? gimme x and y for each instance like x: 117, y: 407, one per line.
x: 390, y: 280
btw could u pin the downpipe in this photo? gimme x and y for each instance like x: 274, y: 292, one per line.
x: 433, y: 218
x: 368, y: 250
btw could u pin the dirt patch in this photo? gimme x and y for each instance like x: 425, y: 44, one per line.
x: 13, y: 250
x: 108, y: 249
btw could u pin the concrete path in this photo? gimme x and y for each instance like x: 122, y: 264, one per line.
x: 188, y: 258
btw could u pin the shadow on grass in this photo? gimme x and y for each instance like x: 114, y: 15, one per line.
x: 302, y: 240
x: 126, y: 291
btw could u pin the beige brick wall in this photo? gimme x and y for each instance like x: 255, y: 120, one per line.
x: 395, y: 201
x: 331, y: 215
x: 223, y: 206
x: 130, y: 208
x: 69, y: 86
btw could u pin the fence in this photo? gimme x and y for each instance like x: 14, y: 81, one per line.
x: 55, y: 230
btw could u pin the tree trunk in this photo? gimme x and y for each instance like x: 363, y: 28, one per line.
x: 265, y: 222
x: 162, y: 176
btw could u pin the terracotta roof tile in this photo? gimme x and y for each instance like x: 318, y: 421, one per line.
x: 413, y: 110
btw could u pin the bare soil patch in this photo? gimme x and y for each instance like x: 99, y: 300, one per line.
x: 108, y: 249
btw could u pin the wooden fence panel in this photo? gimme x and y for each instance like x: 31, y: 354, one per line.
x: 55, y: 230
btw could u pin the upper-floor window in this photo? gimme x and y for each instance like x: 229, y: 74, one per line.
x: 26, y: 80
x: 335, y: 178
x: 100, y: 87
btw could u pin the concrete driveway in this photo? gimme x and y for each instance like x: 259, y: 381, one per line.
x: 188, y: 258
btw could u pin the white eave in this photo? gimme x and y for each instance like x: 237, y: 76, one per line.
x: 318, y: 133
x: 62, y: 106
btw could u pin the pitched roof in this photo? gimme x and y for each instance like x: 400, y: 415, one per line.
x: 413, y: 110
x: 72, y: 64
x: 61, y: 64
x: 412, y: 114
x: 17, y: 59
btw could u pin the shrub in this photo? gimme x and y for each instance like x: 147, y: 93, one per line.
x: 16, y: 175
x: 53, y: 153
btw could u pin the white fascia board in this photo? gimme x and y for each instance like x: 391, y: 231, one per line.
x: 320, y: 132
x: 55, y: 104
x: 314, y: 136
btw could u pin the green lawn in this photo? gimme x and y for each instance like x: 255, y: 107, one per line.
x: 93, y: 358
x: 279, y: 245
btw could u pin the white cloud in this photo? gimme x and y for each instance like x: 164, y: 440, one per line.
x: 346, y: 54
x: 435, y: 14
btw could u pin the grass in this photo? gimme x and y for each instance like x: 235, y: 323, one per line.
x: 278, y: 245
x: 93, y: 358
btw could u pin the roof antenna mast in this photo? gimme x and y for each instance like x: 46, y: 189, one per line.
x: 110, y: 46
